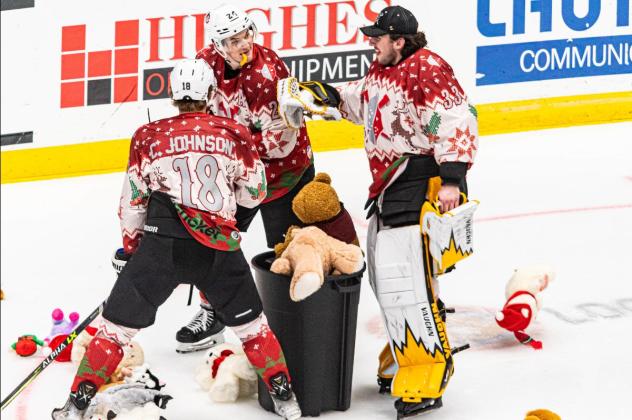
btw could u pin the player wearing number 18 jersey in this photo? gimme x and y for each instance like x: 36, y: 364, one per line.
x: 185, y: 177
x: 205, y: 164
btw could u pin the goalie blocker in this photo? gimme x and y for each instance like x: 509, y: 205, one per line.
x: 404, y: 285
x: 312, y: 98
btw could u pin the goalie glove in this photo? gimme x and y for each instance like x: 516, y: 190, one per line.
x: 119, y: 259
x: 311, y: 98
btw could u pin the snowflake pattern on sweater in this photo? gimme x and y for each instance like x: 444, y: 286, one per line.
x: 415, y: 107
x: 250, y: 99
x: 205, y: 164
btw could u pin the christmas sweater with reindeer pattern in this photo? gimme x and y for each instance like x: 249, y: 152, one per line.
x: 250, y: 99
x: 205, y: 164
x: 416, y: 107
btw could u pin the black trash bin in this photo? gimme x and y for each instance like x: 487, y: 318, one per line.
x: 317, y: 336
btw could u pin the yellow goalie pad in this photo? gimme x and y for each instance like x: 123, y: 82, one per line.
x: 403, y: 285
x: 450, y: 234
x: 423, y: 373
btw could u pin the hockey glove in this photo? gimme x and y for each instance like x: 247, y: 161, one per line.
x: 323, y: 93
x: 311, y: 98
x: 119, y: 259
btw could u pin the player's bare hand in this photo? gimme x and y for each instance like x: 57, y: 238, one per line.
x: 449, y: 196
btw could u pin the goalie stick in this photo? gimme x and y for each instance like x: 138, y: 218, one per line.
x: 52, y: 356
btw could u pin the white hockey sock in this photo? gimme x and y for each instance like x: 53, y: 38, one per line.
x: 117, y: 333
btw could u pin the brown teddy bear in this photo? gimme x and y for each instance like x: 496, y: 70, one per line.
x: 310, y: 255
x: 317, y: 204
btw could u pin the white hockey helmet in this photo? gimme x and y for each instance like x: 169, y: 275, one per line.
x: 190, y: 79
x: 226, y: 21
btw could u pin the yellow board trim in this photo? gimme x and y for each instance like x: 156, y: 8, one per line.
x: 64, y: 161
x: 496, y: 118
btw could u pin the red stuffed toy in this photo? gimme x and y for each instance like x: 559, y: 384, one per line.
x: 523, y: 302
x: 27, y: 345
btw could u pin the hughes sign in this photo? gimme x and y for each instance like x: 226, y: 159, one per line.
x: 112, y: 76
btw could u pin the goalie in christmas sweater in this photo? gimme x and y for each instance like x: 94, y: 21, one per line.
x: 420, y: 136
x: 247, y: 75
x: 185, y: 177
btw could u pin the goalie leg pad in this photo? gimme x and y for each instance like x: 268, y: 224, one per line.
x: 402, y: 280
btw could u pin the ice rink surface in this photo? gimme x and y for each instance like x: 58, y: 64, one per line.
x: 562, y: 197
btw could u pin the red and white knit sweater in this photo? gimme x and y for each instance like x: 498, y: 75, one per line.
x: 416, y: 107
x: 249, y: 98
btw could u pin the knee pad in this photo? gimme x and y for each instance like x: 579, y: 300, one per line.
x: 403, y: 283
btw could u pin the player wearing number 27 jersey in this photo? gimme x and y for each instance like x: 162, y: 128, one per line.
x: 193, y: 158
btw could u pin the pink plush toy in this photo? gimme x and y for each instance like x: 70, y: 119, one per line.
x: 58, y: 333
x: 523, y: 302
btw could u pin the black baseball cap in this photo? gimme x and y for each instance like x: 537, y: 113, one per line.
x: 392, y: 20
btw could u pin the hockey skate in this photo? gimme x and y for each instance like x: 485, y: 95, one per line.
x: 406, y: 410
x: 285, y: 404
x: 77, y: 402
x: 203, y: 332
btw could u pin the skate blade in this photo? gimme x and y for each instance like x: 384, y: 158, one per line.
x: 437, y: 404
x: 205, y: 344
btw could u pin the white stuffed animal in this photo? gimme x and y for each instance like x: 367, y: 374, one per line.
x: 139, y: 397
x: 226, y: 374
x: 523, y: 301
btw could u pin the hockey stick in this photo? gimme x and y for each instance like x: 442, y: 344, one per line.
x: 52, y: 356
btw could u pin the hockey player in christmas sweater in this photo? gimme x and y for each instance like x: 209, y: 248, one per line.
x: 418, y: 126
x: 421, y: 137
x: 185, y: 177
x: 247, y: 75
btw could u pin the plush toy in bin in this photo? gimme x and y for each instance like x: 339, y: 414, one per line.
x: 311, y: 254
x: 523, y: 301
x: 59, y: 332
x: 27, y: 345
x: 317, y: 204
x: 327, y: 245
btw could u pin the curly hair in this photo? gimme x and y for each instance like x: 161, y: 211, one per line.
x: 411, y: 42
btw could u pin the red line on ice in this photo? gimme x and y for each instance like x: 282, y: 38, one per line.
x: 550, y: 212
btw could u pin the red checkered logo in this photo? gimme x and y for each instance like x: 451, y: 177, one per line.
x: 99, y: 77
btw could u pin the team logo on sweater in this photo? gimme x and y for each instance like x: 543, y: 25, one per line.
x: 268, y: 72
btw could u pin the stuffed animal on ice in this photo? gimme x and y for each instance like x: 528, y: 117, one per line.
x: 328, y: 245
x: 523, y: 301
x: 133, y: 356
x: 27, y: 345
x: 59, y: 332
x: 310, y: 255
x: 226, y: 374
x: 138, y: 398
x: 542, y: 414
